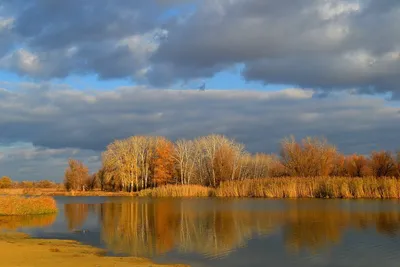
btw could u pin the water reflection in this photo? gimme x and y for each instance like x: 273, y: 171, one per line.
x: 76, y: 215
x: 152, y: 228
x: 15, y: 222
x: 316, y: 229
x: 214, y: 229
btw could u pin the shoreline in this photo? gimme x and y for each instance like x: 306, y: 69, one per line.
x: 267, y: 188
x: 19, y: 249
x: 55, y: 193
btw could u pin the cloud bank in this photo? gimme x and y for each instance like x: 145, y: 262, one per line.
x: 59, y: 120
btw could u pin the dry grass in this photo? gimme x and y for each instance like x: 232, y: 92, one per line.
x: 318, y: 187
x: 57, y: 192
x: 16, y: 205
x: 178, y: 191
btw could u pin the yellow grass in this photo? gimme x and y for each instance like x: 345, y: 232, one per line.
x: 20, y: 250
x: 17, y: 205
x: 315, y: 187
x: 178, y: 191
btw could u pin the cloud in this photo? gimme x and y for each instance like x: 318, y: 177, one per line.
x: 329, y: 44
x: 55, y: 122
x: 23, y: 161
x: 112, y: 39
x: 58, y: 117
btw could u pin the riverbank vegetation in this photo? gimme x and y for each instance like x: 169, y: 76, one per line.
x: 20, y: 206
x: 178, y: 191
x: 312, y: 187
x: 215, y: 164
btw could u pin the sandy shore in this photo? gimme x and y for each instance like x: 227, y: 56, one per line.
x: 19, y: 249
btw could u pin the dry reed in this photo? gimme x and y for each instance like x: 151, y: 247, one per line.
x: 314, y: 187
x: 178, y: 191
x: 16, y: 205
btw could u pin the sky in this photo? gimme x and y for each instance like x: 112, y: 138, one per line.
x: 76, y: 75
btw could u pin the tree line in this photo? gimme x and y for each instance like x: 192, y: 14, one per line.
x: 141, y: 162
x: 7, y: 183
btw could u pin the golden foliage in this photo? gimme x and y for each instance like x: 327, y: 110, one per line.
x: 311, y: 157
x: 76, y: 175
x: 163, y: 162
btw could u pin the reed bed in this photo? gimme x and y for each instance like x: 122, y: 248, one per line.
x: 18, y: 205
x: 178, y: 191
x: 314, y: 187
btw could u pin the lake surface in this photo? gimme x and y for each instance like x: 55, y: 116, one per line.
x: 221, y: 232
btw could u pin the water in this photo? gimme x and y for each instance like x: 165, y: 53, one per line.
x: 218, y: 232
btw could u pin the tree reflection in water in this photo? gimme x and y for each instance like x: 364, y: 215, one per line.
x: 153, y: 227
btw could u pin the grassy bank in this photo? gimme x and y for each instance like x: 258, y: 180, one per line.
x: 285, y: 187
x: 318, y: 187
x: 178, y: 191
x: 17, y: 205
x: 20, y: 250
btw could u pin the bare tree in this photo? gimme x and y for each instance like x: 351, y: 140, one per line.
x: 185, y: 157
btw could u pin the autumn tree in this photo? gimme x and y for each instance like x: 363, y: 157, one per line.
x: 398, y: 164
x: 339, y: 165
x: 76, y: 175
x: 163, y: 162
x: 357, y: 166
x: 223, y: 163
x: 45, y: 184
x: 383, y: 164
x: 311, y: 157
x: 93, y: 182
x: 209, y: 148
x: 5, y: 182
x: 121, y: 162
x: 130, y: 163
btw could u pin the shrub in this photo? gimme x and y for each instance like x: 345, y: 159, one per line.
x: 5, y: 182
